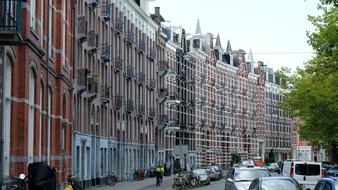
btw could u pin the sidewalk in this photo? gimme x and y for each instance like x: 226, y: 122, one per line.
x: 131, y: 185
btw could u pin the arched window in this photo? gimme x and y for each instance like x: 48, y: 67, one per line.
x: 7, y: 92
x: 41, y: 104
x: 49, y: 108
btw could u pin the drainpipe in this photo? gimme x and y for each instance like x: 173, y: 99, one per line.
x: 2, y: 67
x: 47, y: 80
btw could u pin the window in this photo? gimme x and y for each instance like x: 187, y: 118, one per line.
x: 31, y: 115
x: 50, y: 26
x: 196, y: 43
x: 33, y: 13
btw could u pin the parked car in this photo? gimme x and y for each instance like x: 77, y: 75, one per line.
x: 275, y: 183
x: 332, y: 171
x: 330, y: 183
x: 203, y: 176
x: 214, y: 173
x: 247, y: 163
x: 306, y: 173
x: 273, y: 167
x: 240, y: 178
x: 219, y: 170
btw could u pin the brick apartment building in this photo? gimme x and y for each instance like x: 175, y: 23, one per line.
x: 36, y: 55
x: 94, y: 87
x: 115, y: 91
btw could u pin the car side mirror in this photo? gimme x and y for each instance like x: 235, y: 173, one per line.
x: 230, y: 180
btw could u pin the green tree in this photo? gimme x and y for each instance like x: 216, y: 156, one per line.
x: 313, y: 90
x: 235, y: 158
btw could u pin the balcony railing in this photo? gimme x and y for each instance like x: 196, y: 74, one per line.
x: 153, y: 54
x: 118, y: 64
x: 105, y: 52
x: 105, y: 10
x: 212, y: 82
x: 142, y: 46
x: 105, y: 94
x: 93, y: 3
x: 10, y: 22
x: 174, y: 96
x: 118, y: 101
x: 152, y: 84
x: 82, y: 79
x: 141, y: 78
x: 82, y: 28
x: 93, y: 40
x: 151, y: 113
x: 130, y: 106
x: 163, y: 67
x: 131, y: 37
x: 130, y: 72
x: 92, y: 84
x: 118, y: 26
x: 163, y: 93
x: 141, y: 110
x: 163, y: 119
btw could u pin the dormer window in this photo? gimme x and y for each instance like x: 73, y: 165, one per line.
x: 196, y: 44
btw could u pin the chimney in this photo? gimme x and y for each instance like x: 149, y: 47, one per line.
x: 157, y: 11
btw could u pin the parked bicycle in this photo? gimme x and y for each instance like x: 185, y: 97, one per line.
x: 75, y: 182
x: 17, y: 183
x: 185, y: 181
x: 111, y: 178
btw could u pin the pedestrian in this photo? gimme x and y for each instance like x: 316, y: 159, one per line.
x: 162, y: 172
x: 158, y: 175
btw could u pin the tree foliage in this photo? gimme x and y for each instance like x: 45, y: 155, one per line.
x: 313, y: 90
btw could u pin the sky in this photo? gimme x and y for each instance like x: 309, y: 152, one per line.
x: 275, y: 30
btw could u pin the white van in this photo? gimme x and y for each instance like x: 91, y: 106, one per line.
x: 305, y: 173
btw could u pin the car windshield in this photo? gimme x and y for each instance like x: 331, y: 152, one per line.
x: 200, y: 172
x: 249, y: 175
x: 280, y: 184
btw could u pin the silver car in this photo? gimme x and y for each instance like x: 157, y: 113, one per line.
x: 203, y: 176
x: 240, y: 178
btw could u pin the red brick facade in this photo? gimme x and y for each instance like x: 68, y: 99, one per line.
x: 30, y: 56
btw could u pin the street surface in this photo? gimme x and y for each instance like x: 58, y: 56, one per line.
x: 149, y: 184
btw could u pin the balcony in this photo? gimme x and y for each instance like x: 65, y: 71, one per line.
x: 212, y: 82
x: 81, y: 28
x: 118, y: 26
x: 174, y: 96
x: 118, y: 64
x: 182, y: 76
x: 130, y: 106
x: 93, y: 41
x: 105, y: 11
x: 163, y: 119
x: 10, y: 22
x: 118, y: 101
x: 81, y: 80
x: 192, y: 103
x: 105, y: 94
x: 142, y: 46
x: 153, y: 54
x: 141, y: 110
x: 131, y: 38
x: 93, y: 3
x: 174, y: 123
x: 141, y: 78
x: 163, y: 67
x: 105, y: 52
x: 92, y: 84
x: 130, y: 72
x: 213, y: 103
x: 151, y: 113
x: 163, y: 93
x: 213, y: 124
x: 203, y: 77
x: 203, y: 122
x: 151, y: 84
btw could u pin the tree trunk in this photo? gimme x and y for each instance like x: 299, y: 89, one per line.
x: 334, y: 153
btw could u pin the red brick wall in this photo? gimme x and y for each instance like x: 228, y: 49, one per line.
x: 59, y: 76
